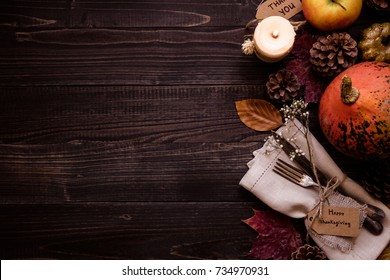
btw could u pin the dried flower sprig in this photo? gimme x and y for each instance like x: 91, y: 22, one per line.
x: 248, y: 47
x: 297, y: 109
x: 296, y: 153
x: 271, y: 144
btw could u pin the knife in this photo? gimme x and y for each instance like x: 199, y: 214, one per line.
x: 374, y: 214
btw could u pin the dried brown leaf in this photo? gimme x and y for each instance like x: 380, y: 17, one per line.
x: 258, y: 114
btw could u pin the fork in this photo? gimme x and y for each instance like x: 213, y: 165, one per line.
x: 299, y: 177
x: 293, y: 174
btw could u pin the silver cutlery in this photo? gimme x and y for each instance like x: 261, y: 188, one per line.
x: 293, y: 174
x: 299, y: 177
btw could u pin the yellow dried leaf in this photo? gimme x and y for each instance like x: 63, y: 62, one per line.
x: 258, y: 114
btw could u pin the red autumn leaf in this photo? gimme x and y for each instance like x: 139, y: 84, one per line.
x: 277, y: 239
x: 300, y: 64
x: 258, y: 114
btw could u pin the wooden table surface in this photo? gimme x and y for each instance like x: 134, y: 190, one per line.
x: 119, y: 137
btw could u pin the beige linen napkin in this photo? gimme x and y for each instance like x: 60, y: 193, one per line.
x: 295, y: 201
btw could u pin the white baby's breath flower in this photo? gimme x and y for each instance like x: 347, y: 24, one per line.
x: 297, y: 109
x: 248, y: 47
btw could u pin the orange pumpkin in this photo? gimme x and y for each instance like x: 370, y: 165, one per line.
x: 354, y: 111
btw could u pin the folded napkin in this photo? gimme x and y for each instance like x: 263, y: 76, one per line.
x: 296, y: 202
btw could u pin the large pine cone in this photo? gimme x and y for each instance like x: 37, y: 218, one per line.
x: 308, y: 252
x: 333, y: 54
x: 376, y: 181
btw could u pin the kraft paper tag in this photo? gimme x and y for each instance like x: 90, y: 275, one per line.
x: 283, y: 8
x: 337, y: 221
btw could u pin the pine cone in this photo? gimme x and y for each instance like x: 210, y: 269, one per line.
x: 283, y: 85
x: 308, y: 252
x: 376, y: 180
x: 334, y: 53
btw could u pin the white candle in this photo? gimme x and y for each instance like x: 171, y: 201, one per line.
x: 273, y: 38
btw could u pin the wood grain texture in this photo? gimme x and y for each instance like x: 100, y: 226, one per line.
x: 118, y: 14
x: 119, y: 137
x: 126, y: 231
x: 143, y: 114
x: 118, y: 132
x: 96, y: 171
x: 129, y: 57
x: 124, y: 144
x: 126, y: 43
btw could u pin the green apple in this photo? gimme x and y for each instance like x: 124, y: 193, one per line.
x: 329, y: 15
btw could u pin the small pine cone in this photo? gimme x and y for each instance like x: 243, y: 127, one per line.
x: 283, y: 85
x: 376, y: 180
x: 308, y: 252
x: 334, y: 53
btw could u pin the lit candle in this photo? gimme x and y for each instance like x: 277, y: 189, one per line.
x: 273, y: 38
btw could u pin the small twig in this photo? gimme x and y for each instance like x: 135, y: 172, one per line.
x: 251, y: 23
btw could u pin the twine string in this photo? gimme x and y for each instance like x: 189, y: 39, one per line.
x: 325, y: 192
x: 296, y: 24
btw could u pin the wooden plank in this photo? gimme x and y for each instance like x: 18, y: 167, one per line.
x: 126, y: 231
x: 142, y: 14
x: 123, y: 171
x: 129, y: 57
x: 200, y: 114
x: 126, y: 43
x: 122, y: 14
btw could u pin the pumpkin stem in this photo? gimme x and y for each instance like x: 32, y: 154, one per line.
x: 349, y: 94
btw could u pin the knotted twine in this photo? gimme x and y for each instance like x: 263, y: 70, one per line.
x: 325, y: 193
x: 329, y: 195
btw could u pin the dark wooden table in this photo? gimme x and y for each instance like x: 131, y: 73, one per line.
x: 119, y: 137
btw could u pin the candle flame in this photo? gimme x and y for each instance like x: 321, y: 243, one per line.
x: 275, y: 34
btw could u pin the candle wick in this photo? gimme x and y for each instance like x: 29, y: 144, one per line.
x: 275, y: 34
